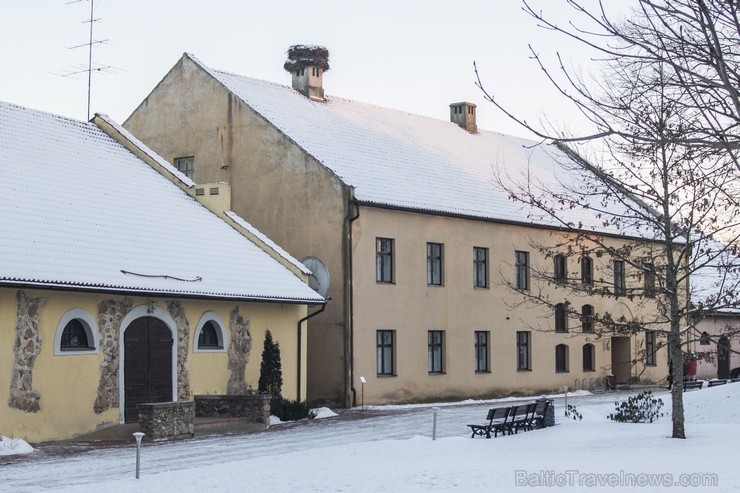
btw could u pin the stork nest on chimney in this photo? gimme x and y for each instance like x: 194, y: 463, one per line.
x: 302, y: 56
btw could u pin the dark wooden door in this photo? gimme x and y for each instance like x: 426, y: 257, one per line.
x: 147, y: 366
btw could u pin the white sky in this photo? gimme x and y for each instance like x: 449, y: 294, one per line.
x: 414, y: 55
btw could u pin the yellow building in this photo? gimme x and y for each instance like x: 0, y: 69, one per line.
x: 421, y: 248
x: 118, y: 287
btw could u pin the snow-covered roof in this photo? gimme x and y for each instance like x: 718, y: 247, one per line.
x: 77, y: 209
x: 716, y: 278
x: 398, y: 159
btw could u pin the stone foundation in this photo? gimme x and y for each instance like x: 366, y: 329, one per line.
x: 255, y: 408
x: 167, y: 420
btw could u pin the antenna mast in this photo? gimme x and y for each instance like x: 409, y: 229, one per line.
x: 90, y: 43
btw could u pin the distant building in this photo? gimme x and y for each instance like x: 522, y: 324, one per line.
x: 118, y: 287
x: 417, y: 242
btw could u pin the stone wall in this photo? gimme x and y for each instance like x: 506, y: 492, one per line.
x: 183, y: 346
x: 239, y: 349
x: 27, y: 346
x: 255, y: 408
x: 110, y: 314
x: 167, y: 420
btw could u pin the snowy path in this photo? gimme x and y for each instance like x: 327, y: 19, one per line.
x: 46, y: 471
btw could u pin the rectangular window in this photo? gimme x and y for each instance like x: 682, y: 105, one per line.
x: 522, y: 270
x: 650, y: 348
x: 384, y: 260
x: 436, y: 351
x: 186, y: 165
x: 523, y: 350
x: 649, y: 277
x: 619, y: 281
x: 480, y: 267
x: 385, y: 344
x: 482, y: 357
x: 434, y: 264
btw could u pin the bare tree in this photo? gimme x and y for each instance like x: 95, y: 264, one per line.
x: 666, y: 112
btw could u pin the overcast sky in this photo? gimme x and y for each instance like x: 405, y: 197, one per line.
x: 413, y: 55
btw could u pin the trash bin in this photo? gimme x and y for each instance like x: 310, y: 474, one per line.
x: 549, y: 419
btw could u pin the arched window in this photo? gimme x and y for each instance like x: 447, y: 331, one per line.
x: 208, y: 337
x: 587, y: 270
x: 587, y: 318
x: 561, y: 318
x: 209, y: 333
x: 561, y: 358
x: 76, y: 333
x: 560, y: 268
x: 704, y: 339
x: 589, y: 357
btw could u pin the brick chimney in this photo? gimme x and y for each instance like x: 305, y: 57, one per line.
x: 464, y: 115
x: 307, y: 65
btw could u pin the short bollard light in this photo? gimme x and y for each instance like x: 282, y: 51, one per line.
x: 138, y: 435
x: 434, y: 423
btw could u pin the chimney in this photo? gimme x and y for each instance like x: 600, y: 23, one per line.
x: 464, y: 115
x: 307, y: 65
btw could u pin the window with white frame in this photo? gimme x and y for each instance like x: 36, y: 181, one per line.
x: 210, y: 333
x: 434, y: 264
x: 385, y: 345
x: 76, y: 333
x: 480, y: 267
x: 435, y: 350
x: 186, y: 165
x: 522, y: 269
x: 384, y: 260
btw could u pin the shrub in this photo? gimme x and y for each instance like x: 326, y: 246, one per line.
x: 271, y: 374
x: 572, y: 412
x: 290, y: 410
x: 640, y: 408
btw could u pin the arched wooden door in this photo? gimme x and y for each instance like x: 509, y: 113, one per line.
x: 147, y: 366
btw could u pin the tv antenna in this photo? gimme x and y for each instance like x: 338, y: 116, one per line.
x: 90, y: 43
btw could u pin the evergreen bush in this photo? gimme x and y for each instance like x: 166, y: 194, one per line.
x: 271, y: 373
x: 640, y: 408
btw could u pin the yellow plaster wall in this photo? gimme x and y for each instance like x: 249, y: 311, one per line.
x: 411, y: 308
x: 68, y: 384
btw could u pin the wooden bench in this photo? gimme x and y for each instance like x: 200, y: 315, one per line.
x: 713, y: 383
x: 693, y: 385
x: 498, y: 419
x: 509, y: 420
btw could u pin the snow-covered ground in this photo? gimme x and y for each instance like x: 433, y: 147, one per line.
x: 391, y: 450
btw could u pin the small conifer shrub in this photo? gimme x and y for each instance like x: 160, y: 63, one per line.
x: 271, y: 373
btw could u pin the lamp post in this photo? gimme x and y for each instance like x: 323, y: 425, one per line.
x: 138, y: 435
x: 434, y: 423
x: 362, y: 394
x: 565, y: 387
